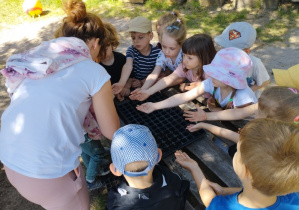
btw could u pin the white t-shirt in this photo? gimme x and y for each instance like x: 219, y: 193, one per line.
x: 257, y: 75
x: 242, y: 96
x: 42, y: 128
x: 167, y: 62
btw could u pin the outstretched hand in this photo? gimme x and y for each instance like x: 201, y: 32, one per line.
x: 193, y: 128
x: 146, y: 107
x: 139, y: 95
x: 117, y: 88
x: 185, y: 161
x: 192, y: 116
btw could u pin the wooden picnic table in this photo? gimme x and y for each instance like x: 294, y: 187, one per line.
x: 215, y: 163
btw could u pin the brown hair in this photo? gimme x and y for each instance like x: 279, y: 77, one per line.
x: 203, y: 47
x: 176, y: 30
x: 168, y: 18
x: 112, y: 37
x: 279, y: 103
x: 270, y: 151
x: 81, y: 24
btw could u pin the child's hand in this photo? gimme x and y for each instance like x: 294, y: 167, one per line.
x: 192, y: 85
x: 117, y: 87
x: 139, y: 95
x: 146, y: 107
x: 185, y: 161
x: 183, y: 87
x: 134, y: 94
x: 195, y: 127
x: 216, y: 187
x: 136, y: 83
x: 192, y: 116
x: 125, y: 91
x: 211, y: 103
x: 120, y: 97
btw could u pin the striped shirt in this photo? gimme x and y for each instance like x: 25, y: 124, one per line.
x: 142, y: 65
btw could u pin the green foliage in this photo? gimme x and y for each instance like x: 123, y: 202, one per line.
x: 12, y: 11
x: 212, y: 23
x: 99, y: 201
x: 158, y: 5
x: 198, y: 19
x: 278, y: 26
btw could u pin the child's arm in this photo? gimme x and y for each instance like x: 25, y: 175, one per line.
x: 218, y: 131
x: 223, y: 190
x: 126, y: 89
x: 256, y: 87
x: 174, y: 100
x: 125, y: 74
x: 206, y: 192
x: 168, y: 81
x: 228, y: 114
x: 152, y: 78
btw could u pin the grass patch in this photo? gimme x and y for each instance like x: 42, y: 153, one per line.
x: 12, y: 11
x: 279, y: 23
x: 99, y: 202
x: 198, y: 19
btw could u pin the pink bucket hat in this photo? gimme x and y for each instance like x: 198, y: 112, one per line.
x: 230, y: 66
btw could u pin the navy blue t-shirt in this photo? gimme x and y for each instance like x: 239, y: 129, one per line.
x: 142, y: 65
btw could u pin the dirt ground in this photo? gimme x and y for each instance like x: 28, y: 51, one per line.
x: 19, y: 38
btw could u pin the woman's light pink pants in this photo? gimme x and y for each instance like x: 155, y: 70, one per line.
x: 65, y: 193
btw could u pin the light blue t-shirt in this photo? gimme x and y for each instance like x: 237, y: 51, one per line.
x: 227, y: 202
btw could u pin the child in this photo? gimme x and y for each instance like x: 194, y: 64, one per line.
x: 198, y: 50
x: 148, y: 185
x: 242, y: 35
x: 141, y: 57
x: 227, y: 83
x: 267, y: 164
x: 280, y: 103
x: 170, y: 57
x: 94, y: 155
x: 163, y: 21
x: 113, y: 61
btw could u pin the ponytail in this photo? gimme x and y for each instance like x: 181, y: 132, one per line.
x: 81, y: 24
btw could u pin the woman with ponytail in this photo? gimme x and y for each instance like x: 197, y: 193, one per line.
x: 51, y: 88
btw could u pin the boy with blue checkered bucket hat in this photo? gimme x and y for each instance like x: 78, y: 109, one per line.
x: 148, y: 185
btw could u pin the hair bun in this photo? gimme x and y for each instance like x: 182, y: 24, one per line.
x: 75, y: 10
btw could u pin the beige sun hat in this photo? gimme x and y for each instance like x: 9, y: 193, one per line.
x: 140, y: 24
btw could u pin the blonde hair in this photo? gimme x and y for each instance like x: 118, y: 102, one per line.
x: 81, y: 24
x: 279, y: 103
x: 270, y: 151
x: 167, y: 18
x: 176, y: 30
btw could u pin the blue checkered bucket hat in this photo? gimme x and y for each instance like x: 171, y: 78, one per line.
x: 134, y: 143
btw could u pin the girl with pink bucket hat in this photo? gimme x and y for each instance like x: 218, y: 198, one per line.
x: 227, y: 83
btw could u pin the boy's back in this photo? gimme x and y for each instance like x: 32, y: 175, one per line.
x: 135, y: 155
x: 168, y: 191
